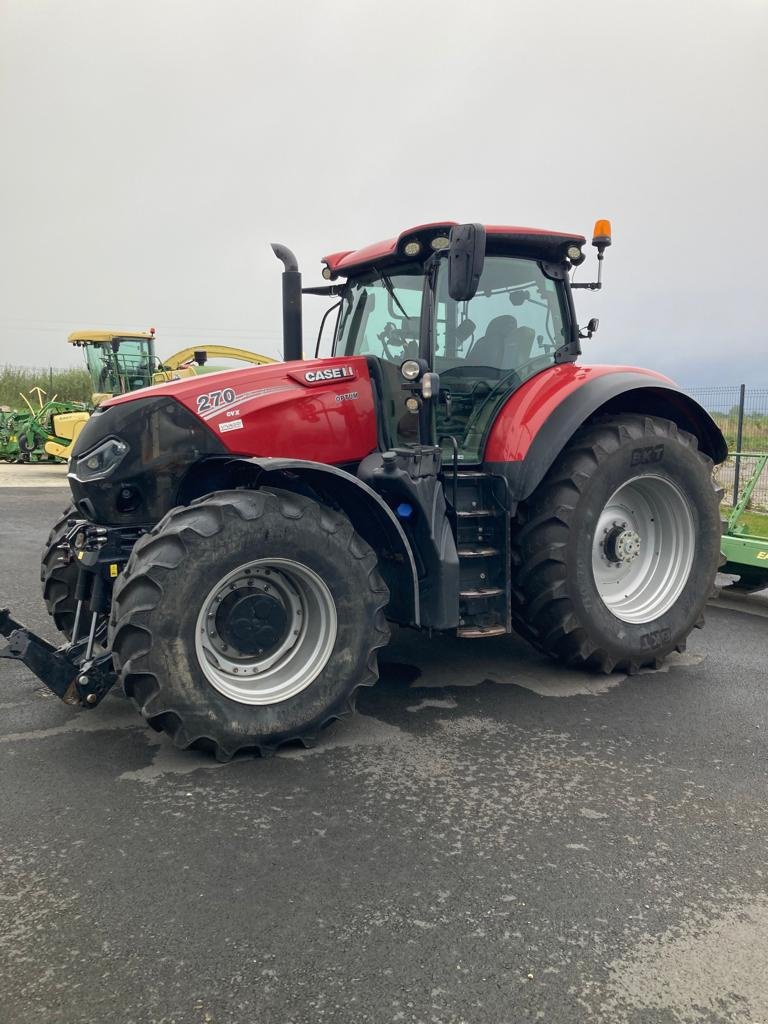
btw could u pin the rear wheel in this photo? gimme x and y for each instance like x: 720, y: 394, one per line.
x: 248, y: 619
x: 618, y: 547
x: 58, y: 575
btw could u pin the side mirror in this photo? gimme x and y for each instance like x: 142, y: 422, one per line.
x: 466, y: 255
x: 201, y: 357
x: 589, y: 330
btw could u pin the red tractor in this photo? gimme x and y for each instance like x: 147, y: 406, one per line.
x: 240, y: 542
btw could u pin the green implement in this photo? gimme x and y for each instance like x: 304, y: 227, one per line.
x: 45, y: 434
x: 745, y: 552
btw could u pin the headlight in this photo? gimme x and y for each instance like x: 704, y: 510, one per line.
x: 410, y: 369
x: 103, y: 460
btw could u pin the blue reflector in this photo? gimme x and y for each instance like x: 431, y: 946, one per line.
x: 404, y: 510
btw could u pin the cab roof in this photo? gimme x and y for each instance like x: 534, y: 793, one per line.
x: 89, y: 337
x: 500, y: 237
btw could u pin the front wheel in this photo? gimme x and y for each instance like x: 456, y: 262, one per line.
x: 246, y: 620
x: 617, y: 549
x: 58, y: 575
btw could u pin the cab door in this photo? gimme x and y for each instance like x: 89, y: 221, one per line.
x: 487, y: 347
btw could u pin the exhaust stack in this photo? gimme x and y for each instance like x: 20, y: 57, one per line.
x: 292, y: 331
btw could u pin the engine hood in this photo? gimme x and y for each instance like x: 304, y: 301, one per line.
x: 320, y: 410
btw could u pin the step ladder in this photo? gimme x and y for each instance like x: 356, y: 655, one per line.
x: 482, y: 540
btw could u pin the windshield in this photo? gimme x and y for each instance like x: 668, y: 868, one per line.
x: 118, y: 372
x: 380, y: 315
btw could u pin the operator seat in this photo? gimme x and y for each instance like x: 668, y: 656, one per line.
x: 503, y: 346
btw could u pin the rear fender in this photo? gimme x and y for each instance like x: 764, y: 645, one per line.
x: 528, y: 435
x: 371, y: 517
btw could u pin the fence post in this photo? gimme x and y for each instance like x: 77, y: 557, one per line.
x: 739, y: 439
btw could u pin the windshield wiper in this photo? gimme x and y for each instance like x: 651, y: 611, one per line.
x: 391, y: 291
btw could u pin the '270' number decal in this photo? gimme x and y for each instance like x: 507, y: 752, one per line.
x: 213, y: 399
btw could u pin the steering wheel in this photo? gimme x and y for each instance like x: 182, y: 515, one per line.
x: 476, y: 373
x: 508, y: 378
x: 476, y: 380
x: 396, y: 337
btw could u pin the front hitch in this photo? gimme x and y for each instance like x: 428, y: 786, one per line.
x: 64, y: 670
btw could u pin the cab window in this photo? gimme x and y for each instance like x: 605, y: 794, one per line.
x: 380, y: 315
x: 487, y: 347
x: 515, y: 318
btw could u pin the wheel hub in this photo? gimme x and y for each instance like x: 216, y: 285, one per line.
x: 252, y: 622
x: 265, y: 631
x: 621, y: 544
x: 643, y: 548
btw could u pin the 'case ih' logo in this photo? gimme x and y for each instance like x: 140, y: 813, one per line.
x: 329, y: 373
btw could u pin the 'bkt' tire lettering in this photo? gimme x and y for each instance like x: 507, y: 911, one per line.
x: 642, y: 456
x: 656, y: 638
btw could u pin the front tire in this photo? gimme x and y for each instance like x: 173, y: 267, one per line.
x: 246, y: 620
x: 58, y: 575
x: 617, y: 549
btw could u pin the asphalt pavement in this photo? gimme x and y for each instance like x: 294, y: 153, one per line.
x: 491, y: 839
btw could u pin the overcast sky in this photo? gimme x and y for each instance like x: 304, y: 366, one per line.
x: 150, y: 151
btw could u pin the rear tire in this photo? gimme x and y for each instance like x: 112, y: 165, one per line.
x: 617, y: 549
x: 198, y: 563
x: 58, y: 575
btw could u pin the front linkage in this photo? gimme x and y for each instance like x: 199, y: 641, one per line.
x: 81, y: 671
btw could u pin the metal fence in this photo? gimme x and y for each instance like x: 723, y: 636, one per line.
x: 741, y: 412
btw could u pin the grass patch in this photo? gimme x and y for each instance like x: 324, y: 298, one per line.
x: 754, y: 436
x: 67, y: 384
x: 753, y: 523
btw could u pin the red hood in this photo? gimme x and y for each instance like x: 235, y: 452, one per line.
x: 316, y: 409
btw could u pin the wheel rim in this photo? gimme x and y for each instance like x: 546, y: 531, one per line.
x: 265, y: 631
x: 643, y: 548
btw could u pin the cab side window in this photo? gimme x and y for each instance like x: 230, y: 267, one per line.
x: 515, y: 318
x: 487, y: 347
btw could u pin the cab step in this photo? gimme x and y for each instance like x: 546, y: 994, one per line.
x: 482, y: 542
x: 475, y: 632
x: 473, y: 551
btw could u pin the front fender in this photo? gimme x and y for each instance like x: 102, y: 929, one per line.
x: 371, y: 517
x: 537, y: 422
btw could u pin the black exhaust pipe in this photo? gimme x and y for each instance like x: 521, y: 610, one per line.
x: 292, y: 333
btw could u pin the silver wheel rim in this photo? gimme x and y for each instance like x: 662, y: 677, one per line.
x: 291, y: 665
x: 643, y: 548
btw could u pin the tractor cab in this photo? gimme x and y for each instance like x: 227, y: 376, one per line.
x: 117, y: 362
x: 402, y: 308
